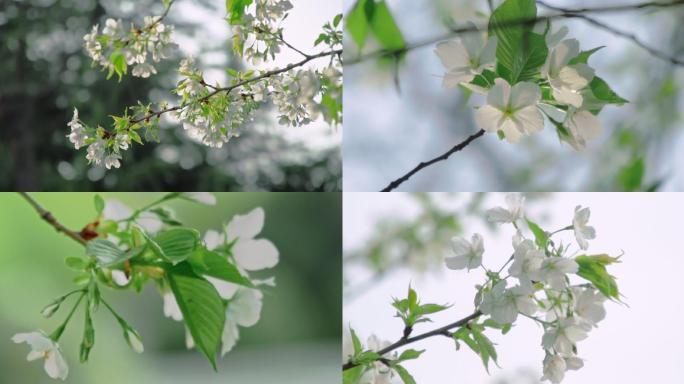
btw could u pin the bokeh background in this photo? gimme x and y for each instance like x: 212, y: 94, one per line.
x: 297, y: 339
x: 45, y: 73
x: 390, y: 132
x: 636, y: 343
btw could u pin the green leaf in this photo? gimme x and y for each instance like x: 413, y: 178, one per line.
x: 337, y: 19
x: 404, y: 374
x: 176, y: 244
x: 385, y: 29
x: 357, y: 22
x: 106, y: 253
x: 486, y: 347
x: 209, y: 263
x: 166, y: 216
x: 519, y: 51
x: 427, y: 309
x: 593, y: 269
x: 76, y: 263
x: 88, y: 337
x: 356, y: 343
x: 540, y: 236
x: 409, y: 354
x: 118, y: 60
x: 202, y: 308
x: 99, y: 204
x: 602, y: 91
x: 583, y: 56
x: 353, y: 375
x: 236, y: 10
x: 366, y: 357
x: 631, y: 175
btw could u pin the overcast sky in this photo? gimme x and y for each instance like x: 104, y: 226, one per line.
x: 635, y: 344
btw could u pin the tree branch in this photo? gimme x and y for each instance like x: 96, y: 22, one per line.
x: 47, y: 216
x: 629, y: 36
x: 435, y: 332
x: 244, y: 82
x: 566, y: 13
x: 393, y: 185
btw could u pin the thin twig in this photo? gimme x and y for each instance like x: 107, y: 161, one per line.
x: 393, y: 185
x: 629, y: 36
x: 243, y: 82
x: 47, y: 216
x: 569, y: 13
x: 441, y: 331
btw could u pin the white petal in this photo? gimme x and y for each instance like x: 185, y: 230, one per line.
x: 555, y: 113
x: 456, y: 262
x: 115, y: 210
x: 586, y: 124
x: 500, y: 94
x: 37, y: 340
x: 201, y: 197
x: 530, y: 119
x: 246, y: 226
x: 567, y: 96
x: 488, y: 118
x: 460, y: 246
x: 120, y: 277
x: 55, y: 365
x: 499, y: 215
x: 576, y: 76
x: 524, y: 94
x: 35, y: 355
x: 456, y: 76
x: 189, y: 341
x: 564, y: 52
x: 511, y: 130
x: 171, y: 308
x: 254, y: 255
x: 213, y: 239
x: 245, y: 307
x: 452, y: 54
x: 231, y: 334
x: 473, y: 42
x: 225, y: 289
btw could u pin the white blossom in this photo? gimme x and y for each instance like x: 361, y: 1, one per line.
x: 514, y: 211
x: 527, y: 261
x: 112, y: 28
x: 589, y: 305
x: 567, y: 80
x: 554, y: 270
x: 555, y: 367
x: 144, y: 70
x: 504, y: 304
x: 43, y: 347
x: 468, y: 254
x: 96, y: 151
x: 78, y: 135
x: 134, y: 340
x: 466, y: 57
x: 582, y: 125
x: 112, y: 161
x: 583, y: 232
x: 511, y: 110
x: 564, y: 336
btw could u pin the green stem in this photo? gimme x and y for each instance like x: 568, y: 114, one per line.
x: 58, y: 332
x: 116, y: 315
x: 151, y: 205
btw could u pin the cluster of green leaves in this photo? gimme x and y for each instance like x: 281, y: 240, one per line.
x: 365, y: 362
x: 374, y: 18
x: 331, y: 35
x: 593, y: 269
x: 412, y: 312
x: 174, y: 257
x: 472, y: 334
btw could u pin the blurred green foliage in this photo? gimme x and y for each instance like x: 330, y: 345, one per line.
x: 45, y: 73
x: 301, y: 317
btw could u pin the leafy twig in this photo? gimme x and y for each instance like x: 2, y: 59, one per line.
x: 441, y: 331
x: 393, y: 185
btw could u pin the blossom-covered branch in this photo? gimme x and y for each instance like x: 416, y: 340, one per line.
x: 542, y: 271
x: 213, y: 114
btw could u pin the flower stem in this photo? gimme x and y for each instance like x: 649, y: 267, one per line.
x: 58, y: 332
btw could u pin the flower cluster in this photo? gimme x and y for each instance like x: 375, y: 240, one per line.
x: 530, y: 75
x: 543, y: 286
x: 103, y: 147
x: 115, y: 49
x: 257, y: 33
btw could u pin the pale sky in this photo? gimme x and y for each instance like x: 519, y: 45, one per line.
x: 635, y: 344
